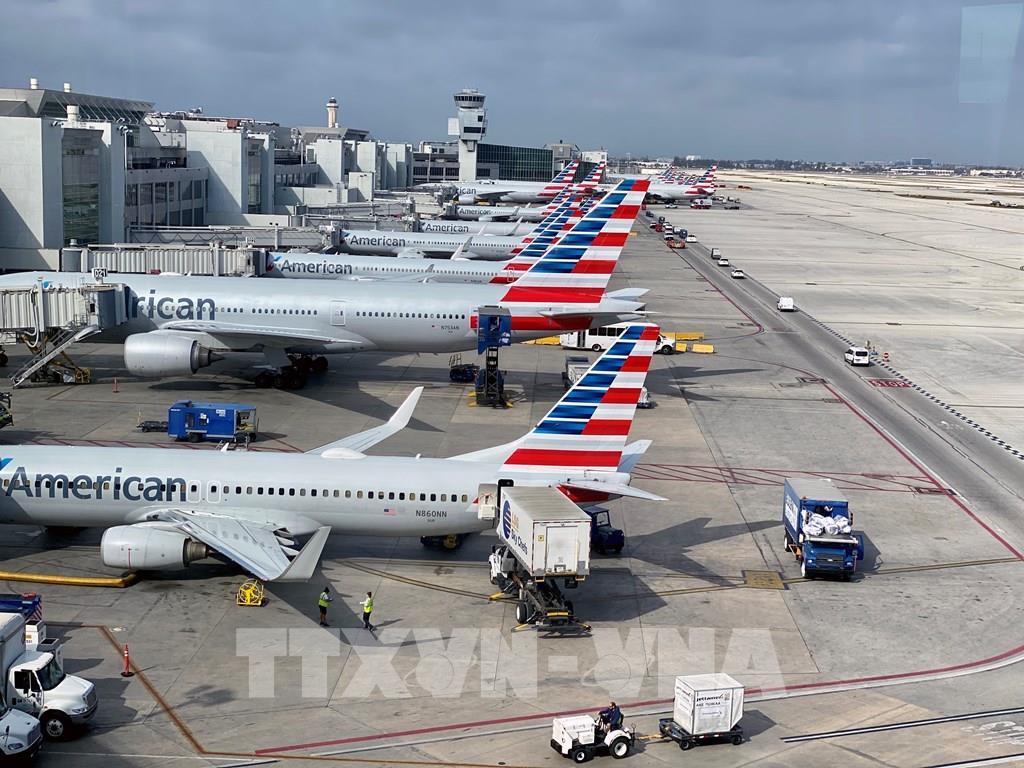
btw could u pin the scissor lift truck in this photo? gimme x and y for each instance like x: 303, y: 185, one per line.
x: 544, y: 538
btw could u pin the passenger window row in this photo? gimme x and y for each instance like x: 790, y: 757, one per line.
x: 336, y: 493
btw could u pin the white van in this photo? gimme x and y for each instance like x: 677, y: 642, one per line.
x: 786, y: 304
x: 600, y: 339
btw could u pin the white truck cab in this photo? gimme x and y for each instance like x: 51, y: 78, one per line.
x: 35, y: 681
x: 786, y: 304
x: 20, y: 736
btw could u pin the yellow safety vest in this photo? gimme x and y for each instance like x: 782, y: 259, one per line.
x: 368, y: 607
x: 324, y: 599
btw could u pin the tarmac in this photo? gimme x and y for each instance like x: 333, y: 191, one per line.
x: 914, y: 663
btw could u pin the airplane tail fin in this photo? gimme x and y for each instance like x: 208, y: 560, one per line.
x: 567, y: 174
x: 576, y: 269
x: 589, y: 426
x: 541, y: 239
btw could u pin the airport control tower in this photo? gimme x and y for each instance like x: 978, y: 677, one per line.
x: 469, y: 125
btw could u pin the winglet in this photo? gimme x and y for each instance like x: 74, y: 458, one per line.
x: 353, y: 445
x: 302, y: 567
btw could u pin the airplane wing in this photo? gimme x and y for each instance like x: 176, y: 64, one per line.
x: 491, y: 195
x: 263, y: 549
x: 279, y: 336
x: 353, y: 446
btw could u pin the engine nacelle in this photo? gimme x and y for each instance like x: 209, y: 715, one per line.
x: 145, y: 548
x: 163, y: 353
x: 467, y: 199
x: 411, y: 253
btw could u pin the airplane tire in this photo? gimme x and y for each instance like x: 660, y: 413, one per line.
x: 522, y: 612
x: 320, y: 364
x: 3, y: 359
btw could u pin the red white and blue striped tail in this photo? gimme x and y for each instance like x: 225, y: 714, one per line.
x: 576, y: 269
x: 588, y: 427
x: 537, y: 243
x: 567, y: 174
x: 593, y: 178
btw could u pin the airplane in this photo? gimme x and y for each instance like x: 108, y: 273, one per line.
x: 525, y: 191
x: 404, y: 244
x: 424, y: 270
x: 176, y: 325
x: 509, y: 191
x: 164, y: 510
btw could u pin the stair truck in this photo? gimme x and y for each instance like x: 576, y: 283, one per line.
x: 819, y: 528
x: 706, y: 708
x: 35, y: 681
x: 545, y: 539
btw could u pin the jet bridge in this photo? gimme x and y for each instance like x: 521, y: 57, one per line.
x: 49, y: 318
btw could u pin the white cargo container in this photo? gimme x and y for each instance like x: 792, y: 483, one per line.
x: 546, y: 532
x: 707, y: 703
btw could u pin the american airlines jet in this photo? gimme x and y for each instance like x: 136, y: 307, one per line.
x: 177, y: 325
x: 166, y: 509
x: 425, y: 245
x: 422, y: 270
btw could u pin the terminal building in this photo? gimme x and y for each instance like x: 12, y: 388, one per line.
x: 96, y: 169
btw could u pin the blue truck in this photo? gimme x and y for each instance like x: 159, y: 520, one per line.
x: 195, y: 422
x: 819, y: 528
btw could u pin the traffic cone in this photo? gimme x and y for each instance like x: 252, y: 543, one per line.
x: 885, y: 357
x: 115, y: 390
x: 127, y: 671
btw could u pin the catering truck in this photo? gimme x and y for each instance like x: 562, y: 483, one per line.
x: 35, y: 681
x: 819, y: 528
x: 545, y: 539
x: 706, y: 708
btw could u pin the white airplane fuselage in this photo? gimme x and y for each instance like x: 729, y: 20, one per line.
x: 337, y: 315
x: 384, y: 243
x: 370, y: 495
x: 465, y: 228
x: 341, y: 266
x: 495, y: 212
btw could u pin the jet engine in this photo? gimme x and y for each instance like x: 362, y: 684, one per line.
x: 162, y: 353
x: 466, y: 199
x: 411, y: 253
x: 147, y: 548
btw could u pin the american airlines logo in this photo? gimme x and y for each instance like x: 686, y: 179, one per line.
x: 377, y: 240
x: 86, y: 487
x: 171, y: 308
x: 323, y: 267
x: 450, y: 227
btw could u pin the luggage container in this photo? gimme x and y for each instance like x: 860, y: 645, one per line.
x: 706, y: 708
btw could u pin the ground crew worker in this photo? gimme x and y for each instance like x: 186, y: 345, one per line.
x: 367, y: 610
x: 325, y: 598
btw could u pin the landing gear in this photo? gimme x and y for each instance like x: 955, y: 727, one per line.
x: 293, y: 376
x: 3, y: 359
x: 449, y: 543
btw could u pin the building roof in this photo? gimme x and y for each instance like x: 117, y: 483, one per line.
x: 43, y: 103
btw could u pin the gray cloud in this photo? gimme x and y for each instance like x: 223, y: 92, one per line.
x: 788, y: 78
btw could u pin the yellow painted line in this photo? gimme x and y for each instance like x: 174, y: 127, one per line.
x: 117, y: 582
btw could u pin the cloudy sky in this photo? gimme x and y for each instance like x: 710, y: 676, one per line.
x: 814, y: 79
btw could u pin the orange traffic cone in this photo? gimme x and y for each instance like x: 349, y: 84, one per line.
x: 127, y: 671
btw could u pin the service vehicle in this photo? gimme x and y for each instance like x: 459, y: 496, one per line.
x: 6, y: 418
x: 716, y: 252
x: 819, y: 528
x: 706, y: 708
x: 701, y: 204
x: 786, y: 304
x: 20, y: 735
x: 659, y: 228
x: 857, y: 356
x: 691, y: 238
x: 723, y: 262
x: 670, y: 227
x: 669, y: 237
x: 33, y: 671
x: 582, y: 737
x: 605, y: 538
x: 195, y: 422
x: 544, y: 539
x: 671, y: 205
x: 732, y: 206
x: 738, y: 274
x: 600, y: 339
